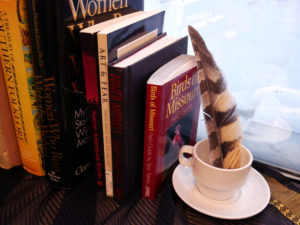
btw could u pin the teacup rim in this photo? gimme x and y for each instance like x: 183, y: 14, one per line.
x: 223, y: 169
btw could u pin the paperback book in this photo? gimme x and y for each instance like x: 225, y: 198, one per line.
x: 171, y: 121
x: 16, y: 58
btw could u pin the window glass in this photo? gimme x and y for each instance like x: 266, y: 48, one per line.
x: 256, y: 44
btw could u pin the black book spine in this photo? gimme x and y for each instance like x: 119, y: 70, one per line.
x: 51, y: 128
x: 117, y: 82
x: 91, y: 71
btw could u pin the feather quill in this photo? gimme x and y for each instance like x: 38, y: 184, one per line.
x: 222, y: 122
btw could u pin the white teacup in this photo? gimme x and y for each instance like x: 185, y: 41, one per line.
x: 213, y: 182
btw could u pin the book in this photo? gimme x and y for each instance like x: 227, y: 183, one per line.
x: 108, y: 40
x: 38, y: 65
x: 9, y: 150
x: 16, y: 57
x: 171, y: 119
x: 127, y: 91
x: 88, y: 38
x: 68, y: 153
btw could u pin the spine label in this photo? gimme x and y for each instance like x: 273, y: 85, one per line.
x: 153, y: 109
x: 117, y: 124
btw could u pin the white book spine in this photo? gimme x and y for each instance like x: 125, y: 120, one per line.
x: 104, y: 96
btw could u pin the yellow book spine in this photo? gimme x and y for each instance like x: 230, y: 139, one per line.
x: 9, y: 150
x: 19, y: 77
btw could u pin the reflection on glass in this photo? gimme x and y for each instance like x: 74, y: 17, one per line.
x: 257, y: 46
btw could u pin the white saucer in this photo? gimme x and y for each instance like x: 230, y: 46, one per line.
x: 254, y: 196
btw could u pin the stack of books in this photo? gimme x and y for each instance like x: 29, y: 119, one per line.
x: 105, y: 88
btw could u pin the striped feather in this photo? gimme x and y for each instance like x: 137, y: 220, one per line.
x: 221, y: 119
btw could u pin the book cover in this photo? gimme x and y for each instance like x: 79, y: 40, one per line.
x: 9, y: 150
x: 107, y: 40
x: 127, y: 90
x: 88, y: 39
x: 68, y: 153
x: 171, y: 121
x: 16, y: 57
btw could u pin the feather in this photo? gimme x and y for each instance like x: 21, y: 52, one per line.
x: 222, y: 122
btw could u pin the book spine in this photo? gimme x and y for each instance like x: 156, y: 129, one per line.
x: 116, y: 85
x: 38, y: 66
x: 151, y: 139
x: 45, y: 50
x: 106, y: 126
x: 9, y: 151
x: 17, y: 66
x: 90, y: 65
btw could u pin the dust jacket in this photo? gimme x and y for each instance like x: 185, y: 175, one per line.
x: 171, y: 120
x: 127, y: 90
x: 68, y: 148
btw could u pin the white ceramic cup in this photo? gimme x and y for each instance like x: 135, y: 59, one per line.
x: 213, y: 182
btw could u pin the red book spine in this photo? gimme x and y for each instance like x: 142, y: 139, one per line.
x: 151, y: 141
x: 92, y: 94
x: 117, y: 130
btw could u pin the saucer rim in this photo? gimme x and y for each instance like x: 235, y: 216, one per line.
x: 253, y: 172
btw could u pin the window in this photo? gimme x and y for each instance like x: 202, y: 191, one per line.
x: 256, y: 43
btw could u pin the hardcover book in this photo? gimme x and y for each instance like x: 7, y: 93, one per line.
x: 9, y: 150
x: 68, y: 149
x: 16, y: 57
x: 127, y: 91
x: 88, y: 38
x: 108, y: 37
x: 171, y: 121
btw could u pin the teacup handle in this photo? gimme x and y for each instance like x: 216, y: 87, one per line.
x: 182, y: 159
